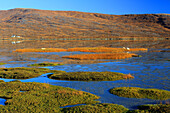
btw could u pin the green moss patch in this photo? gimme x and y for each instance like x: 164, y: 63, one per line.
x: 90, y: 76
x: 45, y: 64
x: 40, y: 97
x: 134, y: 92
x: 99, y: 108
x: 21, y: 72
x: 1, y: 63
x: 156, y: 108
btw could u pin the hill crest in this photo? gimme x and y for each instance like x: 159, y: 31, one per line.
x: 35, y: 23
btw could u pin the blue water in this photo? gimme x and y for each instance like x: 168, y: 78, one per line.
x: 2, y: 101
x: 150, y: 71
x: 63, y: 53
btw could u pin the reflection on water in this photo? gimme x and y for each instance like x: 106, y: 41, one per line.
x: 150, y: 71
x: 11, y: 44
x: 18, y: 40
x: 64, y: 53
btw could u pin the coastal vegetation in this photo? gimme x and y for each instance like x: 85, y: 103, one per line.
x: 1, y: 63
x: 45, y: 64
x: 105, y: 52
x: 1, y: 81
x: 22, y: 72
x: 106, y: 49
x: 40, y: 50
x: 83, y: 49
x: 101, y: 56
x: 98, y: 108
x: 40, y: 97
x: 135, y: 92
x: 89, y: 76
x: 152, y: 108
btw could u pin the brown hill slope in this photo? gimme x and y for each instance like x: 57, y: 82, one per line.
x: 33, y: 23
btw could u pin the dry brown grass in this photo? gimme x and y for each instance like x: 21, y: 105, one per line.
x: 43, y: 24
x: 105, y: 49
x: 138, y: 49
x: 96, y: 49
x: 41, y: 50
x: 128, y: 76
x: 101, y: 56
x: 84, y: 49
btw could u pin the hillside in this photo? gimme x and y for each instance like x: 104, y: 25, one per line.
x: 37, y: 24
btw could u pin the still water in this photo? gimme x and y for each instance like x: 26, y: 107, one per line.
x: 150, y: 71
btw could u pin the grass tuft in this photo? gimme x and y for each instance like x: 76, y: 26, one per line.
x: 46, y: 64
x: 2, y: 81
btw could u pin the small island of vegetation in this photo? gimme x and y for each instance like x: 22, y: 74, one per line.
x: 152, y: 108
x: 1, y: 63
x: 101, y: 56
x: 135, y: 92
x: 22, y: 72
x: 45, y: 64
x: 83, y: 49
x: 89, y: 76
x: 40, y: 97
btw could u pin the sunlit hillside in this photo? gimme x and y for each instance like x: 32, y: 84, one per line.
x: 39, y: 24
